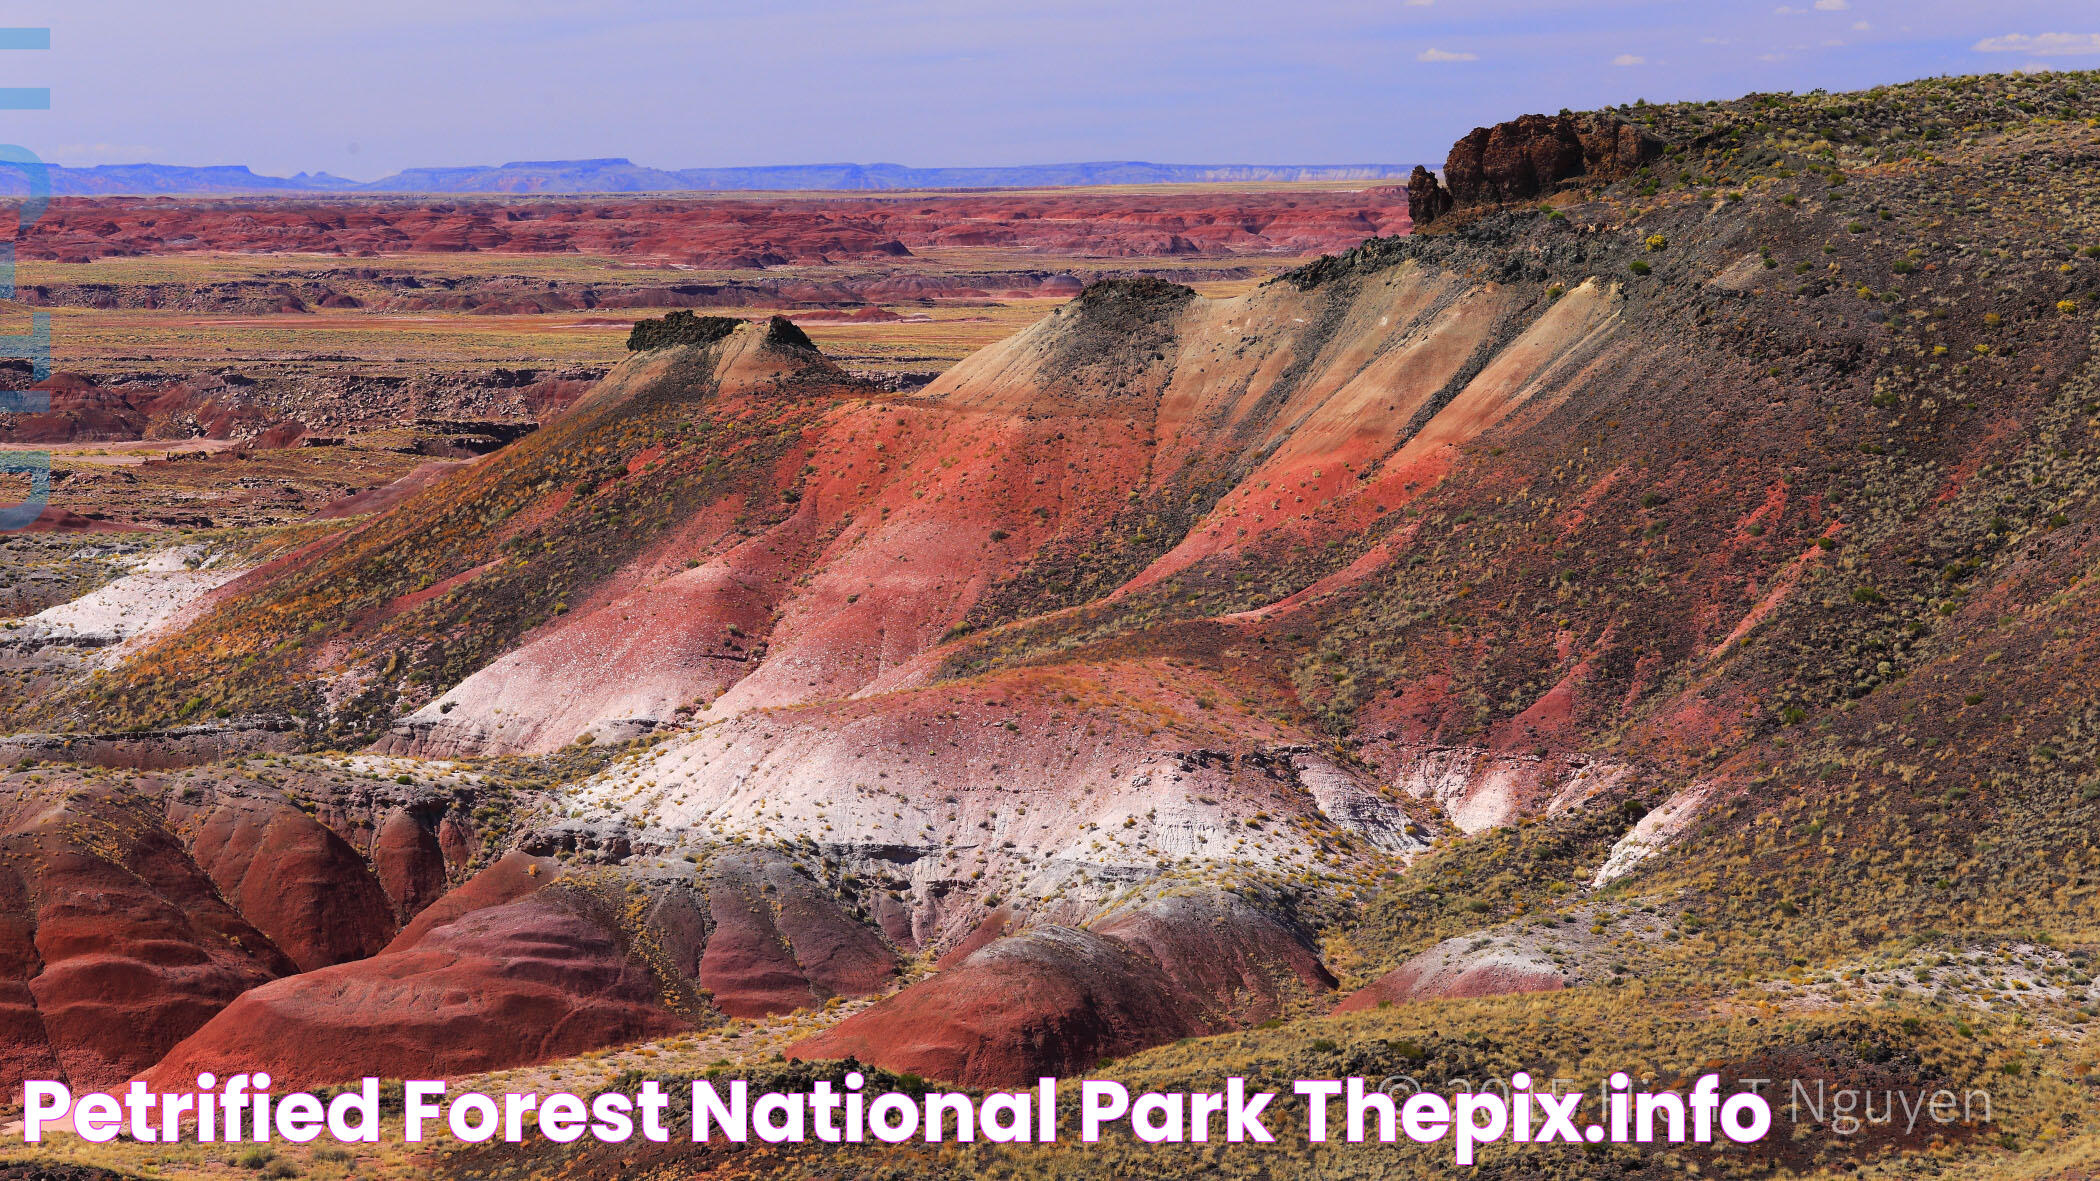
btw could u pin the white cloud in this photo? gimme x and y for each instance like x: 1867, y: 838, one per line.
x: 1440, y: 55
x: 1862, y: 26
x: 1833, y: 5
x: 1629, y: 59
x: 1419, y: 3
x: 2042, y: 44
x: 1789, y: 10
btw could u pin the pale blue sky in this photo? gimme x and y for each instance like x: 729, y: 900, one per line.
x: 363, y: 89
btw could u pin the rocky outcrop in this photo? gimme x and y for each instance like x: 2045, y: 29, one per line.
x: 1426, y: 199
x: 409, y: 861
x: 1512, y: 161
x: 679, y: 328
x: 135, y: 908
x: 1528, y: 157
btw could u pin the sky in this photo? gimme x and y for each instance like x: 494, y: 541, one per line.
x: 367, y: 88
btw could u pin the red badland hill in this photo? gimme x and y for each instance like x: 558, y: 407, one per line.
x: 855, y: 604
x: 136, y: 907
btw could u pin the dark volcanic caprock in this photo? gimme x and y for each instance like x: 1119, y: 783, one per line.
x: 1527, y: 157
x: 1426, y: 199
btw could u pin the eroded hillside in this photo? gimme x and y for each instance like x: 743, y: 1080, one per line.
x: 1670, y: 593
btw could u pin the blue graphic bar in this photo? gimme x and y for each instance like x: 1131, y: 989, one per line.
x: 35, y: 346
x: 36, y: 465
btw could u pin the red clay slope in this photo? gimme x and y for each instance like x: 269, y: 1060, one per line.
x: 521, y: 965
x: 916, y: 515
x: 523, y: 981
x: 113, y: 944
x: 1134, y: 437
x: 297, y: 881
x: 1055, y: 1000
x: 1138, y: 447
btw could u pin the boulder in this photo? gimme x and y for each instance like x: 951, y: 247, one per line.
x: 1426, y: 199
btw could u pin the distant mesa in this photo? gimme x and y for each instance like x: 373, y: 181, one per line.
x: 690, y: 232
x: 619, y: 175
